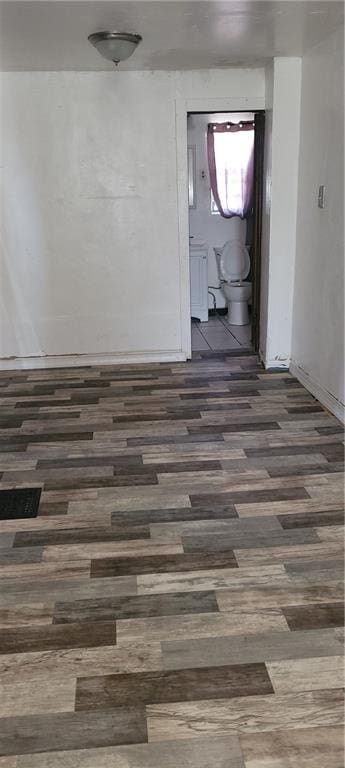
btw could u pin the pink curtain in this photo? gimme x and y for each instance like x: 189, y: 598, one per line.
x: 230, y: 150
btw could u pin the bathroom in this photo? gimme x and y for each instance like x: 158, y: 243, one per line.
x: 234, y: 155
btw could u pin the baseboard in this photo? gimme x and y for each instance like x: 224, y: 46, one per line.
x: 80, y: 361
x: 326, y: 398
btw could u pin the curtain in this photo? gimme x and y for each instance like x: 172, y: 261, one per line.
x: 230, y: 151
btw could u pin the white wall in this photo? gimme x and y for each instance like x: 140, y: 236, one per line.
x: 266, y: 209
x: 204, y: 225
x: 318, y: 309
x: 90, y: 232
x: 283, y: 91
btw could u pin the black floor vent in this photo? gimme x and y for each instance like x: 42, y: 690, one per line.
x: 18, y: 503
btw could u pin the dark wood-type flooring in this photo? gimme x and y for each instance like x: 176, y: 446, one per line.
x: 177, y: 602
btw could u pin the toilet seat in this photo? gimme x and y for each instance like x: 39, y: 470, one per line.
x: 234, y: 261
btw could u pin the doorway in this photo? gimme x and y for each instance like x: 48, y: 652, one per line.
x: 212, y: 327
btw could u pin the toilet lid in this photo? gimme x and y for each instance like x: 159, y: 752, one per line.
x: 234, y: 261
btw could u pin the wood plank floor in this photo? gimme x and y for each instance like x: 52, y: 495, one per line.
x: 178, y: 600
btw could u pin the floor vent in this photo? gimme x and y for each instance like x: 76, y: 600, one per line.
x: 18, y: 503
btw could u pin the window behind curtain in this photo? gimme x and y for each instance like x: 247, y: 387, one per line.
x: 233, y: 155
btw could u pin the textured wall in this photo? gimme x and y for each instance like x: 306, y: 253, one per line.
x: 318, y: 327
x: 90, y: 250
x: 283, y: 95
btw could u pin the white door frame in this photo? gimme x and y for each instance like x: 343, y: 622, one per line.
x: 182, y: 107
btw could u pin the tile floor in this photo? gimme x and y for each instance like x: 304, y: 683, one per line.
x: 218, y: 335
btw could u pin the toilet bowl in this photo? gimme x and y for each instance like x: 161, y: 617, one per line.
x: 237, y: 295
x: 233, y: 267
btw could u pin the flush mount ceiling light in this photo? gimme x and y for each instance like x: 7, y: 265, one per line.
x: 115, y: 46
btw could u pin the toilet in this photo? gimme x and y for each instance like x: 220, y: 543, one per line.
x: 234, y: 266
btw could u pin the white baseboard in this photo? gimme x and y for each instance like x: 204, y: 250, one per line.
x: 326, y: 398
x: 80, y: 361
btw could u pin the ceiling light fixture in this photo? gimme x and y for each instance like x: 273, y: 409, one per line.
x: 115, y: 46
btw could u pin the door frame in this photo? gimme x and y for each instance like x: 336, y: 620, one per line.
x: 259, y: 143
x: 182, y: 108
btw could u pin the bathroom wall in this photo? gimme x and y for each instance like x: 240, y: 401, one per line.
x: 90, y: 231
x: 204, y: 225
x: 318, y: 308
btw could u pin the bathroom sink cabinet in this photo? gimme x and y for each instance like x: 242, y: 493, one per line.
x: 198, y: 281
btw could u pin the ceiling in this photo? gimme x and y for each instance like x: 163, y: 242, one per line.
x: 176, y: 35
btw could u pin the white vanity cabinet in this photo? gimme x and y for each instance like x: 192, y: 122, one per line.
x: 198, y: 281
